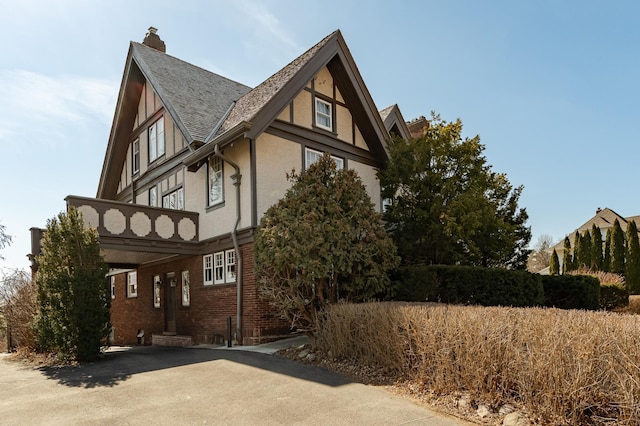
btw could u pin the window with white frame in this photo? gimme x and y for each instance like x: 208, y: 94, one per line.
x: 323, y: 114
x: 156, y: 140
x: 157, y: 284
x: 174, y: 200
x: 153, y: 196
x: 219, y: 267
x: 132, y: 284
x: 186, y: 296
x: 311, y: 156
x: 135, y: 157
x: 215, y: 177
x: 230, y: 266
x: 207, y: 269
x: 113, y: 286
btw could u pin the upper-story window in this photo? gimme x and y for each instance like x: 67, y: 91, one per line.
x: 174, y: 200
x: 153, y: 196
x: 215, y: 178
x: 156, y: 140
x: 135, y: 157
x: 311, y: 156
x: 323, y: 114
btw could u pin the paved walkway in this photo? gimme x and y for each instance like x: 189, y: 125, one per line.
x: 169, y: 386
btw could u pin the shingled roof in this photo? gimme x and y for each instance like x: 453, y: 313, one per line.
x: 247, y: 106
x: 199, y: 98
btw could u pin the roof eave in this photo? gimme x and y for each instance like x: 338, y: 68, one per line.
x: 194, y: 160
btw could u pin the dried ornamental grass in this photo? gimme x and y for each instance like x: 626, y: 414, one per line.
x: 574, y: 367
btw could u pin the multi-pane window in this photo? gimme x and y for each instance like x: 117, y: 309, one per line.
x: 153, y: 196
x: 135, y: 156
x: 220, y: 267
x: 132, y: 284
x: 157, y: 284
x: 174, y: 200
x: 156, y: 140
x: 311, y: 156
x: 215, y: 180
x: 207, y: 268
x: 323, y: 114
x: 230, y: 266
x: 186, y: 296
x: 113, y: 287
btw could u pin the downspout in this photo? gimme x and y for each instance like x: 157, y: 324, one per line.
x: 234, y: 237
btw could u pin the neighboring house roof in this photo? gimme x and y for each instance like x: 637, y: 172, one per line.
x: 603, y: 219
x: 393, y: 121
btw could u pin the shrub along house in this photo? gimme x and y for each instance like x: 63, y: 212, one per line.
x: 192, y: 163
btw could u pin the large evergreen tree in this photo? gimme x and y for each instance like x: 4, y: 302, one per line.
x: 617, y: 249
x: 596, y: 248
x: 554, y: 263
x: 322, y: 243
x: 448, y: 206
x: 575, y: 264
x: 584, y: 257
x: 567, y: 259
x: 632, y: 267
x: 606, y: 257
x: 73, y: 292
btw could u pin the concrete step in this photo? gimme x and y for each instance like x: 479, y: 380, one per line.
x: 169, y: 340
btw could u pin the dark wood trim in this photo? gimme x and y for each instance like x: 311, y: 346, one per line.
x: 312, y: 139
x: 290, y: 113
x: 254, y: 179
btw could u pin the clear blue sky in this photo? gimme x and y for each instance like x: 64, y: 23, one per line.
x: 551, y: 87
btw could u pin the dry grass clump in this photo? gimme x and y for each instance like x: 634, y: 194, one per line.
x: 607, y: 278
x: 573, y: 367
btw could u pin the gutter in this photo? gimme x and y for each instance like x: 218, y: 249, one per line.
x: 234, y: 236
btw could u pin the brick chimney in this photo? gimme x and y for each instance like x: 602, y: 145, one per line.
x: 418, y: 126
x: 153, y: 40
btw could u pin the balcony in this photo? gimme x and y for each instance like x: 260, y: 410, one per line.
x: 132, y: 234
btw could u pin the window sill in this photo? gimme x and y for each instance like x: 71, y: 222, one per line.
x: 215, y: 207
x: 324, y: 130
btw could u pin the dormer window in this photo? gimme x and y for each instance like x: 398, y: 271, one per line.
x: 323, y: 115
x: 156, y: 140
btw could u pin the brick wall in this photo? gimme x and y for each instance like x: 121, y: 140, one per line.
x: 210, y: 306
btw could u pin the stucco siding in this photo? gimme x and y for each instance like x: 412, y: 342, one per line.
x: 323, y: 82
x: 302, y: 112
x: 220, y: 219
x: 370, y: 180
x: 275, y: 157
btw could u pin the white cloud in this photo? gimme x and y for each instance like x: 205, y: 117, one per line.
x: 269, y: 31
x: 35, y: 104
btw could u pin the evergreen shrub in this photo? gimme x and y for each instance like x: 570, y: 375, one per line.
x: 571, y: 291
x: 468, y: 285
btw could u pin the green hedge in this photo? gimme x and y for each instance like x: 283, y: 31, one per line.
x: 468, y: 285
x: 571, y: 291
x: 613, y: 296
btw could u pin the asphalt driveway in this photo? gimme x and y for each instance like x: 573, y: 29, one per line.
x: 162, y: 386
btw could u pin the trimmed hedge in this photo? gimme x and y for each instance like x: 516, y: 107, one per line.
x: 571, y: 291
x: 468, y: 285
x: 613, y: 296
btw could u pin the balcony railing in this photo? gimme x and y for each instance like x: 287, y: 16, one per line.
x: 115, y: 219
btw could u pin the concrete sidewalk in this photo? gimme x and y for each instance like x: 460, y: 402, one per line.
x: 168, y: 386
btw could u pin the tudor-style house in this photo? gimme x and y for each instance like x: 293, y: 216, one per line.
x: 192, y: 163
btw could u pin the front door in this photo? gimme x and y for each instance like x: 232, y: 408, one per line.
x: 170, y: 303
